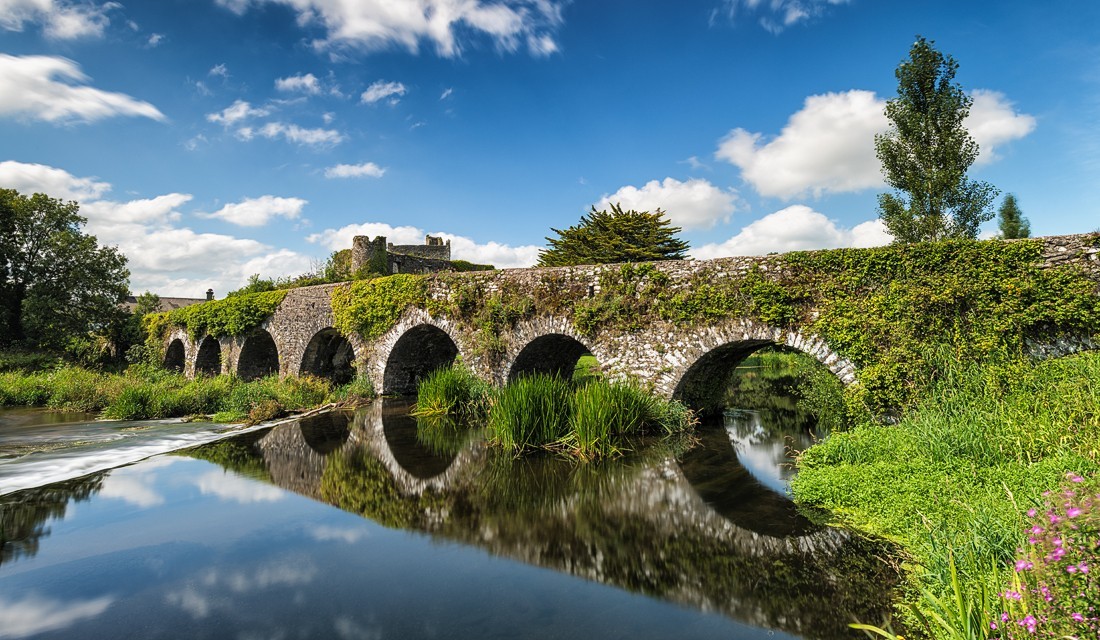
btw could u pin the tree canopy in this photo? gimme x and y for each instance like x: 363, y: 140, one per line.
x: 56, y: 282
x: 926, y: 153
x: 1012, y: 222
x: 604, y: 237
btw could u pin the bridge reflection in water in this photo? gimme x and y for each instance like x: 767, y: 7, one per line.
x: 685, y: 523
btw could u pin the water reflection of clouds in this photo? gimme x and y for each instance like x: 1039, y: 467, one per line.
x: 34, y: 614
x: 134, y: 484
x: 349, y: 629
x: 326, y: 533
x: 202, y: 596
x: 231, y: 487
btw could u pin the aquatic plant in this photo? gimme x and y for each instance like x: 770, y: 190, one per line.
x: 605, y: 413
x: 532, y: 411
x: 454, y: 391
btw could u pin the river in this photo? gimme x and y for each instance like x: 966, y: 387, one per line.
x: 360, y: 525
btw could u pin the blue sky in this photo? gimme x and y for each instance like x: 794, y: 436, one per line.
x: 212, y: 139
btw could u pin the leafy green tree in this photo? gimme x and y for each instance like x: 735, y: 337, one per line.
x: 926, y: 153
x: 604, y: 237
x: 1011, y: 220
x: 56, y: 282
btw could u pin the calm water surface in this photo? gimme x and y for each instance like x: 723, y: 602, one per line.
x: 361, y: 525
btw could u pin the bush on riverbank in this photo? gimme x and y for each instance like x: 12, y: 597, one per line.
x: 591, y: 418
x: 951, y: 481
x: 148, y: 393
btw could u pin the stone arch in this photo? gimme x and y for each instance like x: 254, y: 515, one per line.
x: 329, y: 355
x: 399, y: 431
x: 555, y: 354
x: 174, y: 357
x: 712, y: 353
x: 259, y: 356
x: 209, y: 359
x: 420, y: 350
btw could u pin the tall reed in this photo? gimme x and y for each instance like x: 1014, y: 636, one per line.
x: 530, y: 412
x: 453, y: 390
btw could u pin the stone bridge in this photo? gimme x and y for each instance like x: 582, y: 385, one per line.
x: 301, y: 338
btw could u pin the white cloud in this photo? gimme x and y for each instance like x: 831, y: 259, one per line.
x: 364, y: 170
x: 47, y: 88
x: 326, y: 533
x: 828, y: 146
x: 307, y: 84
x: 32, y: 614
x: 993, y: 121
x: 499, y: 255
x: 61, y: 20
x: 130, y: 489
x: 694, y: 204
x: 381, y: 89
x: 775, y: 15
x: 239, y: 111
x: 294, y: 133
x: 155, y: 40
x: 219, y: 70
x: 447, y: 93
x: 38, y: 178
x: 256, y: 212
x: 376, y: 24
x: 162, y: 257
x: 795, y: 228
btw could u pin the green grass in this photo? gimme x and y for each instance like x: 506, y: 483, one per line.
x: 950, y: 482
x: 147, y: 392
x: 530, y: 412
x: 605, y: 414
x: 453, y: 391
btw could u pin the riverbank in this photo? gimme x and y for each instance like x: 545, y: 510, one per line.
x: 145, y: 392
x: 952, y: 483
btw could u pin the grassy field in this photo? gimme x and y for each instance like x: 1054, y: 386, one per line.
x: 952, y: 483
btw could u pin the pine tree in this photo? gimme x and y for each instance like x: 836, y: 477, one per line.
x: 604, y: 237
x: 1012, y: 221
x: 926, y: 153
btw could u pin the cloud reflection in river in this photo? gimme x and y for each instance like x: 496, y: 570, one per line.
x: 34, y: 614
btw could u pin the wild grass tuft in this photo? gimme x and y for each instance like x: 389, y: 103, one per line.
x: 604, y: 413
x: 530, y: 412
x: 453, y: 391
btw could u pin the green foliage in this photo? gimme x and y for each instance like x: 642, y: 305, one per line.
x: 354, y: 480
x: 372, y: 307
x: 604, y: 414
x: 950, y: 480
x: 1011, y: 220
x: 462, y: 265
x: 489, y: 314
x: 926, y: 153
x: 232, y: 316
x: 145, y: 392
x: 56, y: 282
x: 604, y: 237
x: 27, y: 361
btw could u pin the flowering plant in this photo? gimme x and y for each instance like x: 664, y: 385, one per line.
x: 1055, y: 591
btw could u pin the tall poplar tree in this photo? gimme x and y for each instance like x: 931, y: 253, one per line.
x: 1011, y: 220
x: 926, y: 153
x: 604, y: 237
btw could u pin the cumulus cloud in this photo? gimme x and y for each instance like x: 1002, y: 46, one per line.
x: 163, y: 256
x: 48, y: 88
x: 462, y: 248
x: 28, y: 178
x: 237, y: 112
x: 60, y: 20
x: 256, y: 212
x: 376, y: 24
x: 307, y: 84
x: 233, y: 488
x: 364, y: 170
x: 694, y: 204
x: 795, y: 228
x: 775, y: 15
x: 993, y: 122
x: 828, y: 146
x: 381, y: 89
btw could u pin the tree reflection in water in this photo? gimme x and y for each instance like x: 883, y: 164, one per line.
x: 25, y: 514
